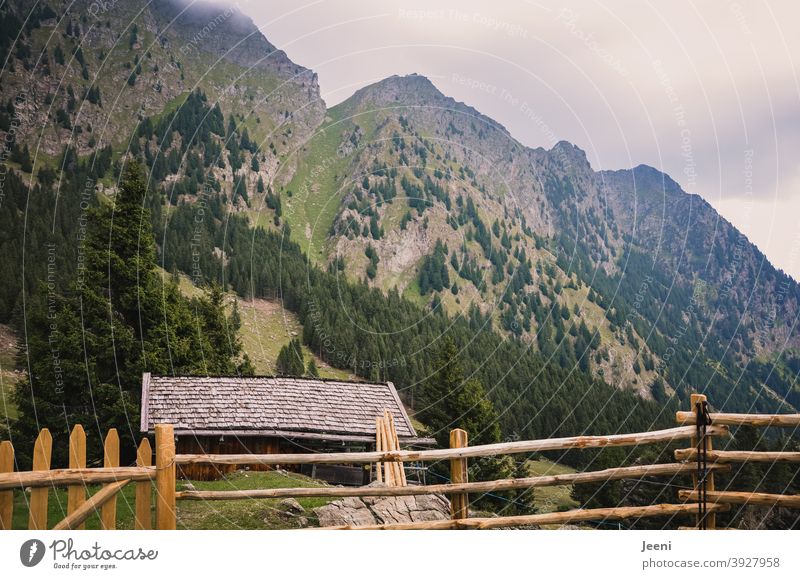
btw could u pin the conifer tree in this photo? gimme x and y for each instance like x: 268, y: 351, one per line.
x: 451, y: 401
x: 523, y: 499
x: 290, y: 360
x: 88, y: 347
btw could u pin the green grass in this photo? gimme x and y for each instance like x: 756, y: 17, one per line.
x: 185, y: 285
x: 261, y: 217
x: 421, y: 428
x: 591, y: 313
x: 266, y: 328
x: 250, y: 513
x: 556, y: 498
x: 316, y: 189
x: 57, y: 508
x: 240, y: 514
x: 8, y: 378
x: 412, y: 293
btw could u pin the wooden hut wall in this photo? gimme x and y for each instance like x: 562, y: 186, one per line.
x: 188, y: 444
x: 228, y: 445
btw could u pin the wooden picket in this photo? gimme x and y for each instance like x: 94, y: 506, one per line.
x: 166, y: 518
x: 395, y: 445
x: 144, y: 489
x: 6, y: 497
x: 379, y: 446
x: 42, y: 449
x: 459, y: 502
x: 76, y: 494
x: 392, y: 473
x: 108, y: 514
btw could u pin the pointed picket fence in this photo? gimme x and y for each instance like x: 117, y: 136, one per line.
x: 41, y: 479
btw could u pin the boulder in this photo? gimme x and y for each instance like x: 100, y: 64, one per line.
x: 383, y: 510
x: 291, y: 506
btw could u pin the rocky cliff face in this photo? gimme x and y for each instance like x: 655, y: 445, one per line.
x: 140, y: 59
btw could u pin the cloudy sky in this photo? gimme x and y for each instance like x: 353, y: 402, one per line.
x: 706, y: 91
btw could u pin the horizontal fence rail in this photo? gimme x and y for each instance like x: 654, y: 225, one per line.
x: 561, y: 518
x: 459, y: 452
x: 784, y: 420
x: 484, y: 450
x: 705, y: 457
x: 74, y: 476
x: 609, y: 474
x: 727, y: 456
x: 744, y: 498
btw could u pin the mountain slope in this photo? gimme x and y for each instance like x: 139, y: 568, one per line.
x: 409, y: 189
x: 140, y: 59
x: 616, y: 274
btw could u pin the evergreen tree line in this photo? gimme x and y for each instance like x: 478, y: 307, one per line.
x: 92, y: 336
x: 386, y: 337
x: 657, y: 300
x: 41, y: 221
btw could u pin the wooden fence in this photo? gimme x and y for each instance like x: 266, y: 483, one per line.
x: 460, y: 488
x: 163, y: 475
x: 76, y: 478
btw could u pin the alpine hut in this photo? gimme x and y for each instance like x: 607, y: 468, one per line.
x: 270, y: 414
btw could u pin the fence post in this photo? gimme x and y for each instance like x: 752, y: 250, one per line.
x: 144, y: 457
x: 76, y: 494
x: 390, y: 468
x: 396, y: 446
x: 37, y: 518
x: 459, y: 502
x: 378, y: 447
x: 6, y: 497
x: 108, y: 513
x: 711, y: 518
x: 165, y: 477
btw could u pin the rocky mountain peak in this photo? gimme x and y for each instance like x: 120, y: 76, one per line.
x: 415, y: 91
x: 642, y: 180
x: 402, y: 89
x: 223, y: 30
x: 570, y: 156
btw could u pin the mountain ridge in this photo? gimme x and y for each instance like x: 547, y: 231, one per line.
x: 555, y: 190
x: 620, y: 273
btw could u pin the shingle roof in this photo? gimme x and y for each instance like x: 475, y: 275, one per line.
x: 270, y: 405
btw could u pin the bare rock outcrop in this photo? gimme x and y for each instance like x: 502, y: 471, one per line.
x: 383, y: 510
